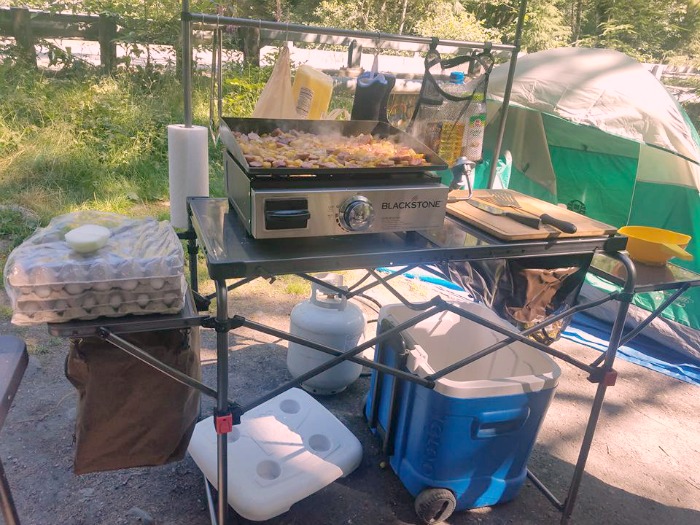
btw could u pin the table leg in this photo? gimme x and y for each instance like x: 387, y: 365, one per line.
x: 9, y: 511
x: 222, y: 398
x: 613, y: 345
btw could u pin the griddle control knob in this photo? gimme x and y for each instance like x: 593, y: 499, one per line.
x: 356, y: 214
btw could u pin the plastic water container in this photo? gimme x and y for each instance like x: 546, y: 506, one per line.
x: 469, y: 439
x: 312, y: 90
x: 283, y: 451
x: 476, y: 125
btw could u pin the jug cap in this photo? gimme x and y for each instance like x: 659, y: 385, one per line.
x: 457, y: 77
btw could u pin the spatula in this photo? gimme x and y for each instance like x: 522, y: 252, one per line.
x: 507, y: 199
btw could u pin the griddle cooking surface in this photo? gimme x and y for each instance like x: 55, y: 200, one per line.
x: 346, y: 128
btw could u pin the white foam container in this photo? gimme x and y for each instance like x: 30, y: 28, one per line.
x: 283, y: 451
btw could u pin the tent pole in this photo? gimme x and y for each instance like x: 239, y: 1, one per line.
x: 506, y: 93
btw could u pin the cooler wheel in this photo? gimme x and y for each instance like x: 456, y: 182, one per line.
x: 435, y: 505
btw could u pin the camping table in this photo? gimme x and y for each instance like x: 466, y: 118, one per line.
x: 232, y: 254
x: 670, y: 277
x: 13, y: 363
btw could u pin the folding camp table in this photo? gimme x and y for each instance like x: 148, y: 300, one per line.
x: 232, y: 254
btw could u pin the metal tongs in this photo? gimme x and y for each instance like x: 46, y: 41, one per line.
x: 461, y: 172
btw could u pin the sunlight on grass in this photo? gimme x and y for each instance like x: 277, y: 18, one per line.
x: 295, y: 285
x: 83, y: 141
x: 5, y: 312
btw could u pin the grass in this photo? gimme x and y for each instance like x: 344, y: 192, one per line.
x: 16, y: 224
x: 78, y: 141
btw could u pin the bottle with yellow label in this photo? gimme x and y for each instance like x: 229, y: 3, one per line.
x: 312, y: 90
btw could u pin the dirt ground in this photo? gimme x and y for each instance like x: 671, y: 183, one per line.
x: 643, y: 466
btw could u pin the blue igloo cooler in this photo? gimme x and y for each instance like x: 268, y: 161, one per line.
x: 465, y: 443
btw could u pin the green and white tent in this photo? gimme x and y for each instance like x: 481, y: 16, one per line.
x: 594, y: 129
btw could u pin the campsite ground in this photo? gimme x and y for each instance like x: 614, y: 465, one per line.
x: 643, y: 466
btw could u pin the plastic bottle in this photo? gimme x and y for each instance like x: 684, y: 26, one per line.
x: 453, y: 125
x: 312, y: 91
x: 448, y: 130
x: 476, y: 124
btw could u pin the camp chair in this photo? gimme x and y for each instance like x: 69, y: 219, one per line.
x: 13, y: 363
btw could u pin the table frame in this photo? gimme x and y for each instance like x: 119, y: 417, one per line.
x: 231, y: 254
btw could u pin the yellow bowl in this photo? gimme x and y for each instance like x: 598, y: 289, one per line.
x: 655, y: 246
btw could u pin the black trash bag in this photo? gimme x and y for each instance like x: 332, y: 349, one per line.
x: 130, y: 414
x: 525, y: 291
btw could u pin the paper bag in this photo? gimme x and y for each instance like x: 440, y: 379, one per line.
x: 276, y: 100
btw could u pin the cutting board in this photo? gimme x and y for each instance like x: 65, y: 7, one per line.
x: 507, y: 229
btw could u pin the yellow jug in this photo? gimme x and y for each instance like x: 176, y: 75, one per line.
x: 312, y: 91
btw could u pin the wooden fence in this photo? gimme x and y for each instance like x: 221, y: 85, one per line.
x: 28, y: 27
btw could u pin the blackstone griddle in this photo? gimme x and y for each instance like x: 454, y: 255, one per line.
x: 310, y: 202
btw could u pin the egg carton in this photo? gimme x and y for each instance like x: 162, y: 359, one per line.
x: 142, y: 257
x: 76, y: 290
x: 91, y: 305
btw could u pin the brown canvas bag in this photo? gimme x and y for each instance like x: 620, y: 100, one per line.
x: 129, y: 414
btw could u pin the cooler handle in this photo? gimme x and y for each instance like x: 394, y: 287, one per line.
x: 499, y: 422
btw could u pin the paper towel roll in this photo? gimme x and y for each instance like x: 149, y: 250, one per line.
x: 188, y: 168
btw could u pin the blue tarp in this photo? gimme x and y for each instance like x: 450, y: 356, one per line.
x: 641, y: 350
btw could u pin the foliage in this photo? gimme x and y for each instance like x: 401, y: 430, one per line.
x: 15, y: 225
x: 80, y: 140
x: 445, y: 19
x: 243, y: 84
x: 74, y: 138
x: 649, y: 30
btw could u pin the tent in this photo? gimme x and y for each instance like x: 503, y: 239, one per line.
x: 594, y: 129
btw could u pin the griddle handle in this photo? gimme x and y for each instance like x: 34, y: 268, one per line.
x: 288, y: 214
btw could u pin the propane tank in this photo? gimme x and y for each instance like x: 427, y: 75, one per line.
x: 328, y: 319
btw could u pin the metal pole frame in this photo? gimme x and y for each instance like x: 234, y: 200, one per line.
x: 615, y: 339
x: 506, y: 93
x: 187, y: 63
x: 221, y: 290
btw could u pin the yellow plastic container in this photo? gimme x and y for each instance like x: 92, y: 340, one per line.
x: 655, y: 246
x: 312, y: 90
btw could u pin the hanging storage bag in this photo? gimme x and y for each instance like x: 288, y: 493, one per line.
x: 276, y: 100
x: 439, y: 111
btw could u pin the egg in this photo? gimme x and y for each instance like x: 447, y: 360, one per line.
x: 170, y: 298
x: 74, y: 288
x: 89, y: 302
x: 101, y: 276
x: 43, y: 291
x: 43, y: 275
x: 18, y: 275
x: 116, y: 300
x: 128, y: 284
x: 157, y: 283
x: 142, y: 300
x: 60, y: 306
x: 29, y: 308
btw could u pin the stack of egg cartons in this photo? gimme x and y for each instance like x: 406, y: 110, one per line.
x: 140, y: 270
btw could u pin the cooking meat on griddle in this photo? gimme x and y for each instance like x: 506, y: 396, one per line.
x: 299, y: 149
